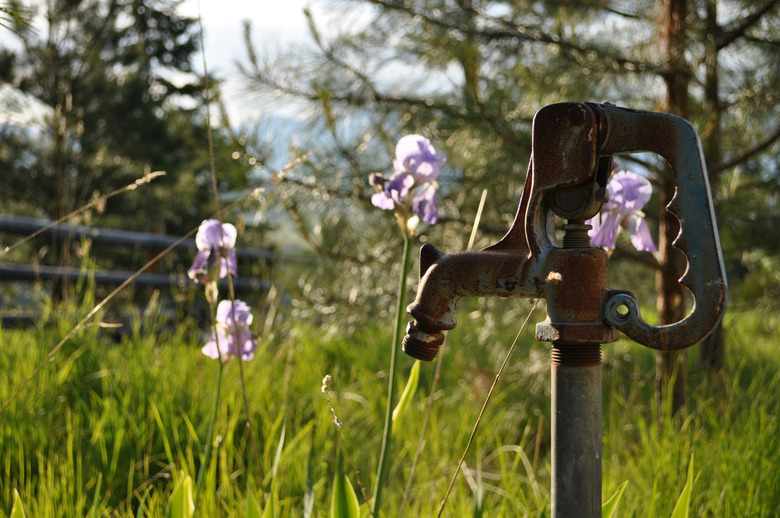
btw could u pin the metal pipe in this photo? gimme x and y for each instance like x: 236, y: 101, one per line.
x: 576, y: 431
x: 575, y: 327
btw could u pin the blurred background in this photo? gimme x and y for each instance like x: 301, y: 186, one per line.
x: 305, y: 99
x: 98, y: 93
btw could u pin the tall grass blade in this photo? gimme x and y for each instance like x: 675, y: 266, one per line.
x: 478, y: 217
x: 344, y: 502
x: 278, y: 455
x: 651, y: 511
x: 478, y: 504
x: 608, y: 508
x: 270, y: 506
x: 163, y: 433
x: 682, y: 508
x: 482, y: 411
x: 409, y: 390
x: 94, y: 510
x: 142, y: 506
x: 308, y: 496
x: 181, y: 504
x: 17, y: 511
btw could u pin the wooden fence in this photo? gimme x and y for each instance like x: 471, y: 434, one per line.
x: 118, y: 238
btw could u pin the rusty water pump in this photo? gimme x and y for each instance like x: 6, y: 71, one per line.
x: 572, y: 149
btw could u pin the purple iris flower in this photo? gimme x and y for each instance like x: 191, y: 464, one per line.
x: 415, y: 154
x: 628, y: 194
x: 412, y: 188
x: 215, y: 247
x: 424, y: 204
x: 233, y: 336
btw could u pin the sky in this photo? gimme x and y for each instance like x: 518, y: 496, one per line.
x: 275, y: 24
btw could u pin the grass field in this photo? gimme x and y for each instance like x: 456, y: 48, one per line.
x: 109, y: 428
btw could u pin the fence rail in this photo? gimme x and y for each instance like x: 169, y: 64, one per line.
x: 101, y: 236
x: 21, y: 272
x: 110, y: 237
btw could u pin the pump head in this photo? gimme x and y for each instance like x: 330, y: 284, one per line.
x: 572, y: 148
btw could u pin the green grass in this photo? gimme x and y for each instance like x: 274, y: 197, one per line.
x: 119, y: 423
x: 731, y: 424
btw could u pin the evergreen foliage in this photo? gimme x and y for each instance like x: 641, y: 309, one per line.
x: 105, y: 92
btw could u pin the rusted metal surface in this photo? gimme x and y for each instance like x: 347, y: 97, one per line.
x: 571, y: 152
x: 487, y: 272
x: 576, y: 287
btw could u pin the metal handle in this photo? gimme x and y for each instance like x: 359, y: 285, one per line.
x: 673, y: 138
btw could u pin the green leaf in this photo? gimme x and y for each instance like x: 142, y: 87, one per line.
x: 270, y: 506
x: 681, y: 509
x: 252, y: 505
x: 608, y: 507
x: 181, y: 505
x: 409, y: 390
x: 17, y: 511
x: 344, y: 503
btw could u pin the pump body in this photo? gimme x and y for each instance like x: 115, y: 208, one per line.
x: 572, y: 149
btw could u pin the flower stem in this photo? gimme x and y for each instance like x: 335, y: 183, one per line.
x: 400, y: 319
x: 212, y: 421
x: 232, y: 296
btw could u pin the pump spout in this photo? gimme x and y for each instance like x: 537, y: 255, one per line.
x: 508, y: 268
x: 444, y: 279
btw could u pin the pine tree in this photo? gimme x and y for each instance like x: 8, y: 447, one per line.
x: 115, y: 97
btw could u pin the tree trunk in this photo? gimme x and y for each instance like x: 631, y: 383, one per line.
x: 712, y: 351
x: 60, y: 247
x: 670, y: 366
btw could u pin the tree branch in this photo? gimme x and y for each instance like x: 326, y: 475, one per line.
x: 643, y: 258
x: 578, y: 53
x: 747, y: 155
x: 760, y: 41
x: 728, y: 37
